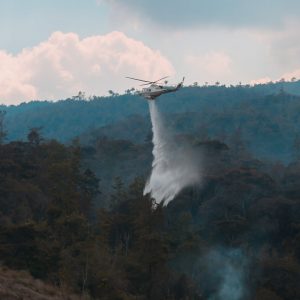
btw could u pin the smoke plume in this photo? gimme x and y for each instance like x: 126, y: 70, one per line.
x: 175, y: 165
x: 227, y: 269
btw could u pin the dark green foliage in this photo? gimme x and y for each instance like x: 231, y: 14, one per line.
x: 2, y: 129
x: 114, y: 243
x: 44, y: 198
x: 263, y: 113
x: 48, y: 228
x: 34, y: 136
x: 259, y: 121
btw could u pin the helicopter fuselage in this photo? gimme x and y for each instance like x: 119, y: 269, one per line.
x: 155, y: 90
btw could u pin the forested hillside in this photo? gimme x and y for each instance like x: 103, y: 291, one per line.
x: 74, y: 215
x: 237, y: 230
x: 263, y: 113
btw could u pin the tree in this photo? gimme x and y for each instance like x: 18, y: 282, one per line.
x: 111, y: 93
x: 89, y: 185
x: 2, y: 129
x: 119, y: 193
x: 296, y: 148
x: 34, y: 136
x: 80, y: 96
x: 237, y: 143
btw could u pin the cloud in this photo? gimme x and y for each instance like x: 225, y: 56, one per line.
x: 289, y: 76
x: 216, y: 65
x: 285, y: 46
x: 260, y: 80
x: 191, y: 13
x: 13, y: 84
x: 292, y: 75
x: 283, y: 51
x: 64, y: 64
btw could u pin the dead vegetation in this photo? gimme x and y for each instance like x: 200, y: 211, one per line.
x: 19, y: 285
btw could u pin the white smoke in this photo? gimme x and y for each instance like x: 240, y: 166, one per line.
x: 228, y: 267
x: 175, y: 165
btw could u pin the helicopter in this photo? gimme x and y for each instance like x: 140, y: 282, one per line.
x: 154, y: 89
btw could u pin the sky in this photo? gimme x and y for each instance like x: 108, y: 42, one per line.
x: 52, y: 49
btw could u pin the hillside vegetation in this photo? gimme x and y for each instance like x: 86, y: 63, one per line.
x: 73, y: 214
x: 16, y: 285
x: 109, y: 241
x: 266, y: 114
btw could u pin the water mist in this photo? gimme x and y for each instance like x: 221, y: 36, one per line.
x: 175, y: 165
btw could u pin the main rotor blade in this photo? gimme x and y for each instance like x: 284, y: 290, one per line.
x: 139, y: 79
x: 160, y: 79
x: 153, y: 82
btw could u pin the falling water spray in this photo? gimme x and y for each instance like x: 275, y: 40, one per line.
x: 175, y: 165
